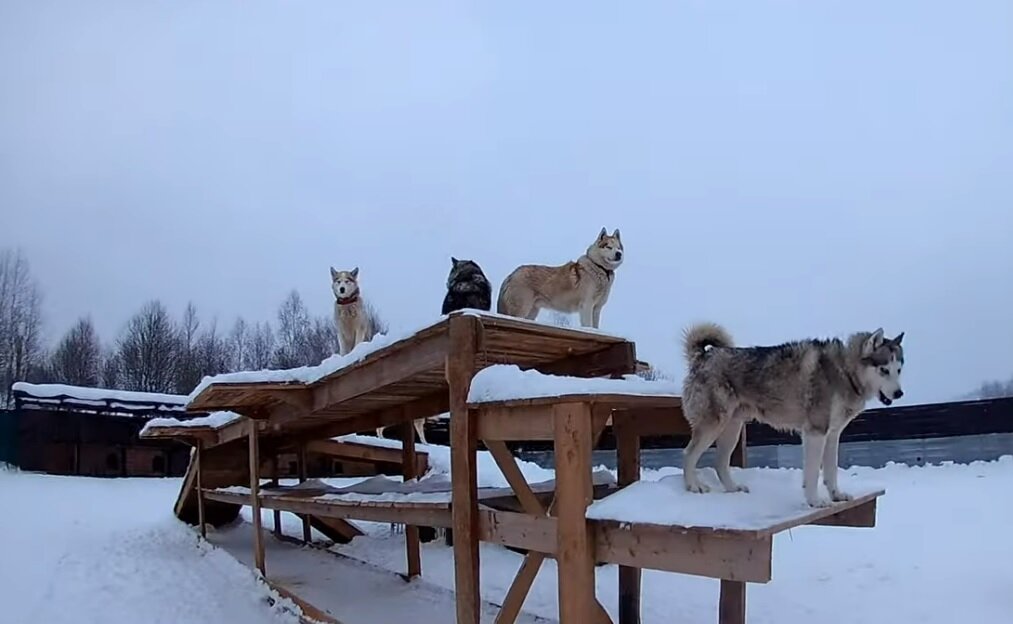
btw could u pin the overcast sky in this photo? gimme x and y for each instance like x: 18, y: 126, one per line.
x: 786, y: 169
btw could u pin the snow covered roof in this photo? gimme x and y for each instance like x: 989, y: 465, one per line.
x: 215, y: 420
x: 97, y: 399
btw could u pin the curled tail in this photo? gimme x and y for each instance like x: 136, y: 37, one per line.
x: 700, y: 336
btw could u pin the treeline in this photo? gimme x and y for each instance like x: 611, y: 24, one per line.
x: 154, y: 352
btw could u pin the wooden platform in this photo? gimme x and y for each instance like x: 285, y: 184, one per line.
x: 430, y: 373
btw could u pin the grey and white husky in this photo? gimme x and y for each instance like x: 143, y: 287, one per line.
x: 812, y: 387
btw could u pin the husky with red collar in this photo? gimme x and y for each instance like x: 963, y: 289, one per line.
x: 353, y: 319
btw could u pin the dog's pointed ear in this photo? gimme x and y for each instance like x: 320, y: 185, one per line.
x: 334, y: 273
x: 454, y: 261
x: 872, y: 342
x: 897, y: 340
x: 355, y: 273
x: 615, y: 235
x: 602, y: 234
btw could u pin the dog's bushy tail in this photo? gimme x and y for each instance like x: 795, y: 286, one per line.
x: 700, y: 336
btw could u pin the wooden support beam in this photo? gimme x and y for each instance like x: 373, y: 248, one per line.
x: 275, y: 482
x: 574, y: 544
x: 258, y: 538
x: 508, y: 466
x: 307, y: 534
x: 519, y: 588
x: 460, y: 367
x: 628, y: 460
x: 732, y: 600
x: 732, y: 603
x: 413, y: 549
x: 198, y: 455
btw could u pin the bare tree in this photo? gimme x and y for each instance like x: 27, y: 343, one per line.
x: 293, y: 333
x: 110, y: 369
x: 77, y: 359
x: 188, y: 372
x: 260, y: 349
x: 239, y: 345
x: 147, y: 350
x: 20, y: 322
x: 321, y: 341
x: 213, y: 353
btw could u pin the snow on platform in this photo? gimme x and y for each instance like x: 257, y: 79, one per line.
x: 774, y: 497
x: 505, y: 382
x: 313, y: 374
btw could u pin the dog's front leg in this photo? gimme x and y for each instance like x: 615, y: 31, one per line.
x: 596, y: 315
x: 587, y: 314
x: 830, y: 466
x: 813, y: 444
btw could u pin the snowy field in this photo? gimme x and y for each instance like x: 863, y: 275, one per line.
x: 81, y: 550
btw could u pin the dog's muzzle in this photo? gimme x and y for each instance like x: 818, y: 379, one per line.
x: 885, y: 400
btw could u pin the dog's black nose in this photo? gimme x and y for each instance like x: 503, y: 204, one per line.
x: 898, y: 394
x: 619, y: 255
x: 341, y: 290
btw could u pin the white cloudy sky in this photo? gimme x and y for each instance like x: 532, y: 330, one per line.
x: 785, y: 168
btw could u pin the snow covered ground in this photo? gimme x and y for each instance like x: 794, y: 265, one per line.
x: 109, y: 551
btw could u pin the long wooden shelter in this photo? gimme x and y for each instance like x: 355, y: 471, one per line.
x: 429, y: 373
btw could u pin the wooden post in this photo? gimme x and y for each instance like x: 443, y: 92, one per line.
x: 574, y: 546
x: 628, y: 460
x: 258, y: 539
x: 463, y: 470
x: 519, y: 588
x: 307, y: 535
x: 199, y: 462
x: 411, y: 534
x: 275, y: 482
x: 732, y: 603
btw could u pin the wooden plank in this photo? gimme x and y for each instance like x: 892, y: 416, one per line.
x: 460, y: 367
x: 628, y: 464
x: 421, y: 514
x: 258, y: 538
x: 817, y: 515
x: 726, y: 556
x: 307, y: 534
x: 274, y: 482
x: 508, y: 466
x: 574, y: 543
x: 509, y: 423
x: 413, y: 549
x: 519, y: 588
x: 518, y: 530
x: 618, y: 358
x: 310, y: 613
x: 337, y: 530
x: 201, y: 519
x: 391, y: 364
x: 863, y: 516
x: 360, y: 452
x: 656, y: 421
x: 732, y: 603
x: 428, y: 405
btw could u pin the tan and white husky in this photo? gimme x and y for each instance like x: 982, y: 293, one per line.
x: 352, y: 319
x: 582, y: 285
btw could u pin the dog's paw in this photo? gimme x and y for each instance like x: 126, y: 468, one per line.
x: 839, y: 497
x: 819, y: 502
x: 697, y: 488
x: 737, y: 487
